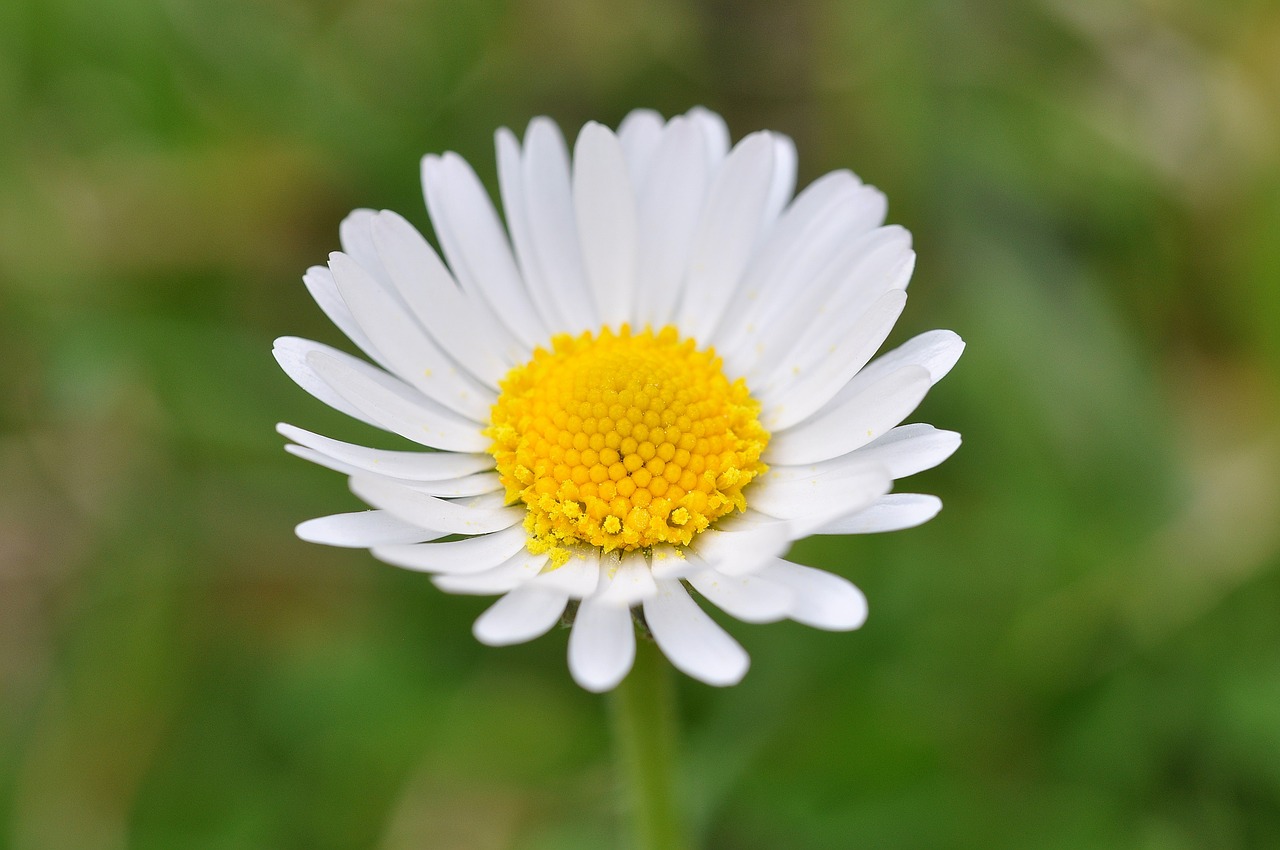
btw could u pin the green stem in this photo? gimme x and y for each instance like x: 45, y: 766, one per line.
x: 644, y: 734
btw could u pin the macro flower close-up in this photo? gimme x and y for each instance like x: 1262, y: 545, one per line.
x: 638, y: 392
x: 598, y: 493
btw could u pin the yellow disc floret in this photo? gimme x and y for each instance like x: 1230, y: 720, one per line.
x: 624, y: 441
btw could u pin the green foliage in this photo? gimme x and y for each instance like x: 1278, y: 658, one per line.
x: 1082, y: 650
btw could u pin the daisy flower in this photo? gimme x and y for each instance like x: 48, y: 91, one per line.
x: 652, y: 380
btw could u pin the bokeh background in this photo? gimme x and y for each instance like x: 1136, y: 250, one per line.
x: 1081, y: 651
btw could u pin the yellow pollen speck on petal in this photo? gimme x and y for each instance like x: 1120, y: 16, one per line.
x: 624, y: 441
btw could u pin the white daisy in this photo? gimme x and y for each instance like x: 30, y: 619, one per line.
x: 656, y: 377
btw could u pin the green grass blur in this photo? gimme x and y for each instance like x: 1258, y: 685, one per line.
x: 1081, y: 651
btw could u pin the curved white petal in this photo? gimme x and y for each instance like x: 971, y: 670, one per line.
x: 412, y: 466
x: 291, y: 353
x: 934, y: 351
x: 667, y: 562
x: 448, y: 488
x: 848, y: 464
x: 521, y: 615
x: 907, y: 449
x: 629, y: 580
x: 715, y: 134
x: 461, y: 325
x: 510, y: 574
x: 455, y: 488
x: 640, y: 133
x: 602, y: 645
x: 577, y: 578
x: 815, y: 380
x: 670, y: 203
x: 893, y: 512
x: 901, y: 451
x: 810, y: 503
x: 473, y: 516
x: 472, y: 555
x: 735, y: 547
x: 750, y: 598
x: 820, y: 599
x: 394, y: 406
x: 937, y: 351
x: 692, y: 641
x: 412, y: 354
x: 547, y: 295
x: 726, y: 235
x: 833, y: 274
x: 362, y: 529
x: 823, y: 218
x: 783, y: 183
x: 324, y: 291
x: 841, y: 428
x: 356, y: 238
x: 604, y: 203
x: 553, y: 229
x: 476, y: 245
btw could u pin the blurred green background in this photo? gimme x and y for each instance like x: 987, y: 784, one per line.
x: 1081, y: 651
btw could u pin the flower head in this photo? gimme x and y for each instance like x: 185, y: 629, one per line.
x: 656, y: 377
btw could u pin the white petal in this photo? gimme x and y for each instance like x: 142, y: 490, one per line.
x: 821, y: 600
x: 784, y: 177
x: 670, y: 203
x: 548, y: 299
x: 824, y: 218
x: 640, y: 132
x: 362, y: 529
x: 412, y: 466
x: 901, y: 451
x: 893, y: 512
x: 291, y: 353
x: 808, y: 504
x: 394, y: 406
x: 552, y: 225
x: 476, y: 246
x: 462, y: 326
x: 605, y: 205
x: 814, y: 382
x: 934, y: 351
x: 937, y: 351
x: 521, y: 615
x: 602, y: 645
x: 466, y: 517
x: 691, y: 640
x: 508, y: 575
x: 833, y: 273
x: 320, y: 283
x: 577, y: 578
x: 738, y: 548
x: 472, y: 555
x: 629, y: 580
x: 909, y: 449
x: 714, y: 133
x: 357, y: 240
x: 726, y: 235
x: 747, y: 597
x: 455, y: 488
x: 839, y: 429
x: 849, y: 464
x: 449, y: 488
x: 666, y: 561
x: 877, y: 277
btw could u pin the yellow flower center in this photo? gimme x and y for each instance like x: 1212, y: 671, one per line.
x: 624, y: 441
